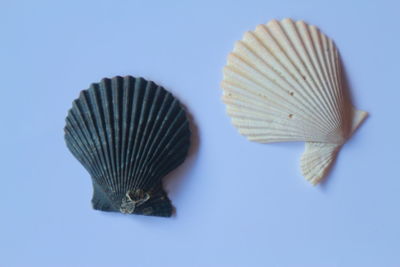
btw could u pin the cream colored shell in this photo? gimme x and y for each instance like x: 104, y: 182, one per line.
x: 283, y: 82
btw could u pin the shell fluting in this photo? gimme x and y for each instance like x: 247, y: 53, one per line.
x: 128, y: 133
x: 283, y: 82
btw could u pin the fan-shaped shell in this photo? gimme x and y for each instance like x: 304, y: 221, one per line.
x: 128, y: 133
x: 283, y: 82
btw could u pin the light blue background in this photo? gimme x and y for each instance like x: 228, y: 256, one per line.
x: 238, y: 203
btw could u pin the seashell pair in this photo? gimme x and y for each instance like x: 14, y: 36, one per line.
x: 283, y: 82
x: 128, y: 133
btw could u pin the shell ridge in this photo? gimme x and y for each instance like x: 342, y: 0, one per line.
x: 292, y: 49
x: 288, y: 66
x: 147, y: 134
x: 291, y: 105
x: 333, y: 92
x: 87, y: 100
x: 344, y: 102
x: 269, y: 107
x: 326, y: 121
x: 163, y: 133
x: 116, y: 86
x: 234, y: 96
x: 134, y: 108
x: 76, y: 152
x: 290, y: 54
x: 319, y: 39
x: 157, y: 127
x: 144, y: 112
x: 336, y: 89
x: 86, y: 159
x: 126, y: 122
x: 255, y: 83
x: 292, y: 68
x: 306, y: 59
x: 106, y: 96
x: 242, y: 102
x: 72, y: 133
x: 170, y: 165
x: 309, y: 52
x: 77, y: 114
x: 251, y: 130
x: 78, y: 110
x: 332, y: 86
x: 98, y: 116
x: 164, y: 167
x: 314, y: 36
x: 159, y: 151
x: 159, y: 155
x: 137, y: 108
x: 276, y: 66
x: 254, y: 117
x: 278, y: 80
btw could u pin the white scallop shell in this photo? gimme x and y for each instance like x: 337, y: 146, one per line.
x: 283, y: 82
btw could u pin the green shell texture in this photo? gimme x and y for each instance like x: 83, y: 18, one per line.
x: 128, y: 133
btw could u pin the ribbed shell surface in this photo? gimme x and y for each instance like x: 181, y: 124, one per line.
x: 283, y: 82
x: 128, y: 133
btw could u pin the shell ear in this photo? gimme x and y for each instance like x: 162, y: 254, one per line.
x: 157, y: 205
x: 358, y: 118
x: 100, y: 200
x: 317, y: 160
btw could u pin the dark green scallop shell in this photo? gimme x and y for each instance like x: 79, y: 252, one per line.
x: 128, y: 133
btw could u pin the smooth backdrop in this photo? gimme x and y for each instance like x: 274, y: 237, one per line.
x: 239, y: 204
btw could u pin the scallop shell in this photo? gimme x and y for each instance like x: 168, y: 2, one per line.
x: 283, y: 82
x: 128, y: 133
